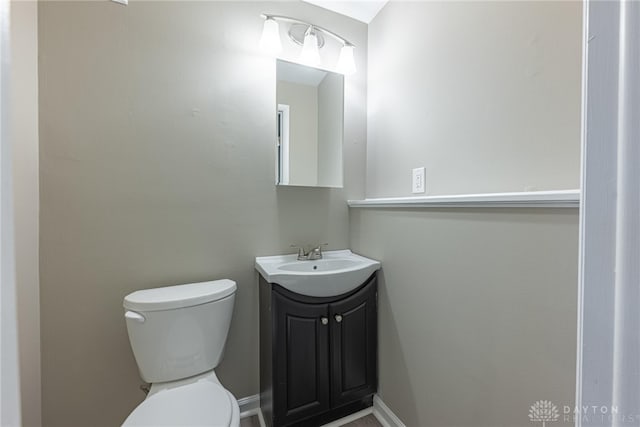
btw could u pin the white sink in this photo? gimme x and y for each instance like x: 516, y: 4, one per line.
x: 336, y: 273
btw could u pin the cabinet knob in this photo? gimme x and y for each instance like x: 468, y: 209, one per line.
x: 338, y: 318
x: 324, y: 320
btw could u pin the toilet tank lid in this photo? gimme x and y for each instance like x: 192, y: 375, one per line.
x: 178, y: 296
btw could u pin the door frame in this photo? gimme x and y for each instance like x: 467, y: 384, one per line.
x: 611, y: 51
x: 282, y: 145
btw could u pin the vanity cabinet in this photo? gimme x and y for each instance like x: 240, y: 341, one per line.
x: 318, y: 355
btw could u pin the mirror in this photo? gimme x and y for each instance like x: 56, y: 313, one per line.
x: 310, y: 104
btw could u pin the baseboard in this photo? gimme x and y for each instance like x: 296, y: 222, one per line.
x: 351, y: 417
x: 384, y: 414
x: 249, y: 405
x: 261, y: 418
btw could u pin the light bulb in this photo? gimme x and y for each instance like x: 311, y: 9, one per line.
x: 346, y: 64
x: 270, y: 40
x: 310, y: 54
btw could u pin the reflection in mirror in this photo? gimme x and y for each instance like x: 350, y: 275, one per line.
x: 310, y: 105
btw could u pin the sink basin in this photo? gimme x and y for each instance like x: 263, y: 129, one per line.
x: 338, y: 272
x: 320, y: 265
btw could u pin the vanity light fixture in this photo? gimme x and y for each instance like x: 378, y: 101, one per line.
x: 310, y: 37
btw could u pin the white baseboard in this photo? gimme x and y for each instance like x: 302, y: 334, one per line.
x: 384, y: 414
x: 261, y: 418
x: 250, y: 406
x: 351, y: 417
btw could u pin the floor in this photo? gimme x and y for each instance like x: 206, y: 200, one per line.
x: 251, y: 421
x: 366, y: 421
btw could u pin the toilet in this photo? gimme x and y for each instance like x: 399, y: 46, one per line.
x: 178, y: 334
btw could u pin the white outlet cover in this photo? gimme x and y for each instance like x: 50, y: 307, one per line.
x: 417, y: 182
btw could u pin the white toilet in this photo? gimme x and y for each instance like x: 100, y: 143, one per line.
x: 178, y: 334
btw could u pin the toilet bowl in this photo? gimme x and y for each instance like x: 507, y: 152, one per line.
x: 178, y: 334
x: 198, y: 401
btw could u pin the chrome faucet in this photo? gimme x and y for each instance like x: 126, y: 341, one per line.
x: 310, y: 255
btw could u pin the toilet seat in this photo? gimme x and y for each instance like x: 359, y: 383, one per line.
x: 202, y: 403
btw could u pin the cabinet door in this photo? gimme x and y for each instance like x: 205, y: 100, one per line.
x: 301, y: 359
x: 354, y: 344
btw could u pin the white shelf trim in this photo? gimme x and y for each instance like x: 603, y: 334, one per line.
x: 529, y: 199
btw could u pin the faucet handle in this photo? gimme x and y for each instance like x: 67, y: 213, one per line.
x: 316, y: 253
x: 301, y: 253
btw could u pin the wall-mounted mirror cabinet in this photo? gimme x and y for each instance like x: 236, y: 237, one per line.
x: 310, y: 106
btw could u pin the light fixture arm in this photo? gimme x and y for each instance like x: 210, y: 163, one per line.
x: 299, y: 21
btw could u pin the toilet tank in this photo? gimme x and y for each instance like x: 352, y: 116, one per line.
x: 179, y: 331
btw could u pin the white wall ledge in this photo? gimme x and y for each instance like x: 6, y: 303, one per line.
x: 531, y: 199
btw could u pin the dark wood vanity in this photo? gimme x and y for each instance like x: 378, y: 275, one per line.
x: 318, y: 355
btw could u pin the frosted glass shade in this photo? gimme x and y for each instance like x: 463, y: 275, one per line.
x: 346, y: 64
x: 310, y: 54
x: 270, y: 40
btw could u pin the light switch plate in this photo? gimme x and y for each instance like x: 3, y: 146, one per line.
x: 417, y: 185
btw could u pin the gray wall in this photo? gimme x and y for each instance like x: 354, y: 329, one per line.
x: 157, y: 167
x: 477, y: 311
x: 24, y: 139
x: 485, y: 95
x: 477, y: 306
